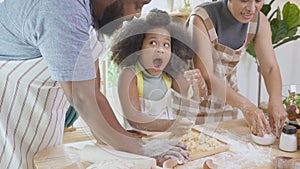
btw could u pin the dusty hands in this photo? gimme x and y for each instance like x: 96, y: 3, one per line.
x: 181, y: 126
x: 256, y: 120
x: 277, y: 115
x: 195, y: 78
x: 163, y: 150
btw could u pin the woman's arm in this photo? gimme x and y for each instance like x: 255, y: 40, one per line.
x: 271, y: 73
x: 217, y: 86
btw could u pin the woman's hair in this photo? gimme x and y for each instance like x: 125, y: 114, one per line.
x: 127, y: 42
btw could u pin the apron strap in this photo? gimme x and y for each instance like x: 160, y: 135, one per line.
x: 140, y: 80
x: 201, y: 12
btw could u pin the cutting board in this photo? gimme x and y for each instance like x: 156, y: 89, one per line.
x: 168, y: 135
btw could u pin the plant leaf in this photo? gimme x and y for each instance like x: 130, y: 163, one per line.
x: 278, y: 13
x: 279, y: 30
x: 250, y: 49
x: 266, y: 8
x: 296, y: 24
x: 292, y: 32
x: 290, y: 14
x: 286, y: 40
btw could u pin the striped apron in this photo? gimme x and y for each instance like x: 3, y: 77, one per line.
x: 32, y: 108
x: 225, y: 61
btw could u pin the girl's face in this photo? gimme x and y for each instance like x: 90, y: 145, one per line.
x: 244, y: 10
x: 156, y: 50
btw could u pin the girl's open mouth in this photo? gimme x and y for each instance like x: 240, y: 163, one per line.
x: 157, y: 63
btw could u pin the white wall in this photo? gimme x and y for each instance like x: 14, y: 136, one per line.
x: 288, y: 57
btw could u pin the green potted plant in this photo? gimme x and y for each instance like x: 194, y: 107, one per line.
x: 284, y: 25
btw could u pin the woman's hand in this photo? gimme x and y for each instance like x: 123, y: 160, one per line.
x: 277, y: 115
x: 255, y: 119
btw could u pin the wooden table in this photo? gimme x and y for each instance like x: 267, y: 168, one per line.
x: 60, y: 157
x: 239, y: 130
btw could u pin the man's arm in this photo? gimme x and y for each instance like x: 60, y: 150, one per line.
x: 82, y: 95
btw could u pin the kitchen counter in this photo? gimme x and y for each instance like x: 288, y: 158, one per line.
x: 243, y: 152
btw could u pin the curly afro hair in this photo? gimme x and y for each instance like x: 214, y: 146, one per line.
x: 129, y: 39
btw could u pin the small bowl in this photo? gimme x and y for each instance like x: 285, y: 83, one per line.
x: 267, y: 139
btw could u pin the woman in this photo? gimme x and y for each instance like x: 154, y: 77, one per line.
x: 46, y: 62
x: 226, y: 28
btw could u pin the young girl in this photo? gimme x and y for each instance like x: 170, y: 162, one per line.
x: 154, y: 53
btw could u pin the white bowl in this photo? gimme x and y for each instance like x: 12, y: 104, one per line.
x: 267, y: 139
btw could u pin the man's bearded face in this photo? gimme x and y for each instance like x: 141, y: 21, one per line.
x: 111, y: 19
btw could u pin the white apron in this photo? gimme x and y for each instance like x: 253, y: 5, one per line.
x: 160, y: 109
x: 169, y: 107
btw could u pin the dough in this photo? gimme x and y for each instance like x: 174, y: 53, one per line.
x: 199, y: 142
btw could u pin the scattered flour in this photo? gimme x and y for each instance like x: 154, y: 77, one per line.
x: 103, y: 158
x: 113, y: 163
x: 242, y: 153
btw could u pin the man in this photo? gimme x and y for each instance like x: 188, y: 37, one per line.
x: 45, y: 55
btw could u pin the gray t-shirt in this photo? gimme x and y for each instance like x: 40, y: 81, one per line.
x: 154, y: 86
x: 57, y: 30
x: 230, y: 31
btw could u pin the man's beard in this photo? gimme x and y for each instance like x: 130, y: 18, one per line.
x: 111, y: 19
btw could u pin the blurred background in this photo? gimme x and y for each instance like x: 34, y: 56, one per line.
x: 288, y: 55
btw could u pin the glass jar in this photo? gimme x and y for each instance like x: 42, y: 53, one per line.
x: 288, y: 139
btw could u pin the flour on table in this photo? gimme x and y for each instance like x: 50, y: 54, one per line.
x: 104, y: 158
x: 242, y: 153
x: 113, y: 163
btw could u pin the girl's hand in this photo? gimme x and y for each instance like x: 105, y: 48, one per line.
x: 195, y: 79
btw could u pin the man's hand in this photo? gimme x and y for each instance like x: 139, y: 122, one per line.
x: 163, y: 150
x: 181, y: 126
